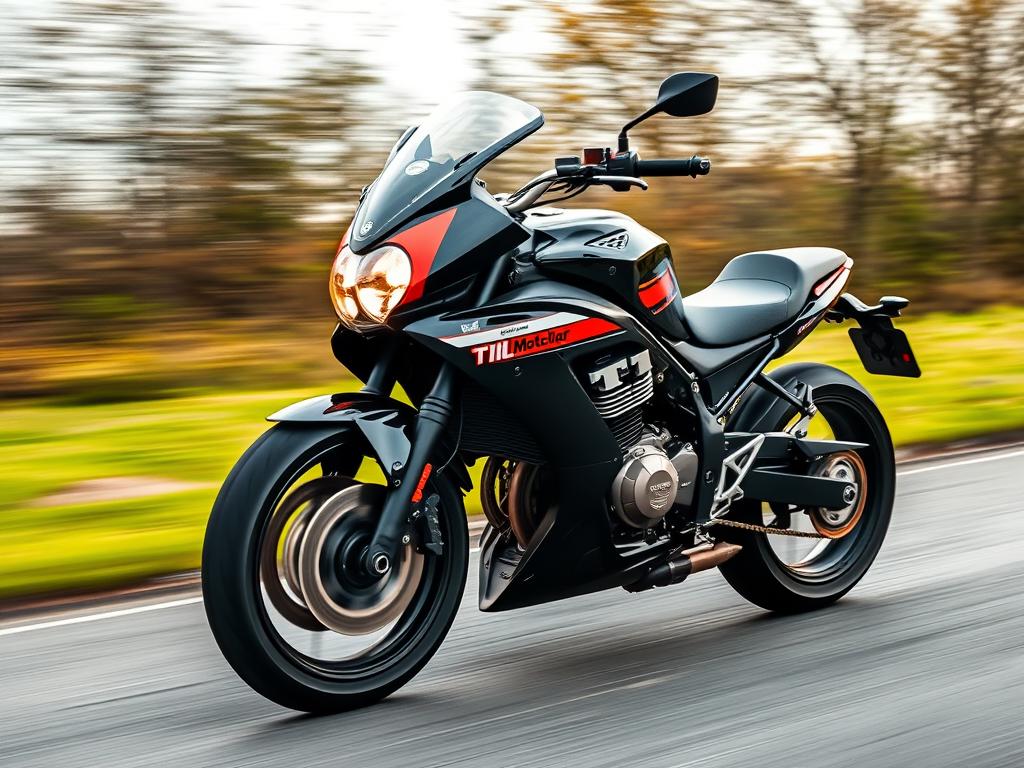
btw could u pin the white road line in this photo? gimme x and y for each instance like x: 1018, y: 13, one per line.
x: 198, y: 599
x: 98, y: 616
x: 960, y: 463
x: 85, y: 618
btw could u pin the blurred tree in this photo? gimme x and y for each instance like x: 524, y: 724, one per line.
x: 855, y: 65
x: 481, y: 27
x: 151, y: 169
x: 613, y: 54
x: 153, y: 155
x: 979, y: 70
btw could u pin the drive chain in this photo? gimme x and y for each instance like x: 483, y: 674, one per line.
x: 766, y: 529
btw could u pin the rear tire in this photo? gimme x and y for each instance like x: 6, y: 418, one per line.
x: 757, y: 573
x: 237, y: 611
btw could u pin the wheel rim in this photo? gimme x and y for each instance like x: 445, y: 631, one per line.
x: 331, y: 655
x: 824, y: 560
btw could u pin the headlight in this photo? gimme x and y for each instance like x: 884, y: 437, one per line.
x: 381, y: 281
x: 343, y: 285
x: 374, y: 283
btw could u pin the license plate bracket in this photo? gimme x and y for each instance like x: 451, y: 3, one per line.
x: 885, y: 350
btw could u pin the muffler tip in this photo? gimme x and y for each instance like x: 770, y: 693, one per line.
x: 705, y: 559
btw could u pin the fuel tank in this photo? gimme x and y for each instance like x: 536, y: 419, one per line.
x: 610, y: 254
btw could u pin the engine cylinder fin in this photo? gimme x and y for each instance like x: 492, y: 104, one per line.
x: 620, y: 400
x: 618, y: 388
x: 628, y: 428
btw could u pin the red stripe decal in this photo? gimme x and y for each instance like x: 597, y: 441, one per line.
x: 660, y: 289
x: 417, y: 495
x: 421, y: 243
x: 542, y: 341
x: 338, y: 407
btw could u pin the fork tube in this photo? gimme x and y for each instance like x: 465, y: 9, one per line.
x: 385, y: 371
x: 434, y: 414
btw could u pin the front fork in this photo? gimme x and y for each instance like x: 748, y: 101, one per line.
x: 407, y: 481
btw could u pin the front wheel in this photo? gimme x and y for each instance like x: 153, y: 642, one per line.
x: 793, y: 574
x: 289, y: 604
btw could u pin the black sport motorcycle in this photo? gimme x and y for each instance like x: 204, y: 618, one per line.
x: 630, y: 435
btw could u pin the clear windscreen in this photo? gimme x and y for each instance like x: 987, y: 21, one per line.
x: 456, y: 140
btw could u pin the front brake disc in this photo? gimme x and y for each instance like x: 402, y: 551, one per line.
x: 335, y: 585
x: 279, y: 560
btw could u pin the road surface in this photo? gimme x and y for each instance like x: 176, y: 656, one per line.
x: 921, y: 665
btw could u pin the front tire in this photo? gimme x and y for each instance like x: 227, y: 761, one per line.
x: 834, y: 567
x: 250, y: 633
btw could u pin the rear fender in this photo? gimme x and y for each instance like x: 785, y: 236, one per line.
x: 385, y: 423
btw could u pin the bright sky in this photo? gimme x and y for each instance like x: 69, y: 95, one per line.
x: 419, y: 49
x: 416, y: 43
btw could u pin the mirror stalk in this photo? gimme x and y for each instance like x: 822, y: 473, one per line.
x: 623, y: 138
x: 684, y: 94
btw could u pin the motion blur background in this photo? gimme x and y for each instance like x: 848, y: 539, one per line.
x: 174, y: 177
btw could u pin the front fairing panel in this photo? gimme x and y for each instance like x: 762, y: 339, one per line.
x: 473, y: 235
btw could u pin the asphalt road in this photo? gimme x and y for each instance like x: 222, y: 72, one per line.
x: 921, y: 665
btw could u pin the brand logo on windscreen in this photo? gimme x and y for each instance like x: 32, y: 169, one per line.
x: 416, y: 167
x: 367, y: 226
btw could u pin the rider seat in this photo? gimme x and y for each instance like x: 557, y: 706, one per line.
x: 757, y: 293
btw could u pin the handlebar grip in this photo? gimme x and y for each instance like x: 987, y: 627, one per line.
x: 694, y: 166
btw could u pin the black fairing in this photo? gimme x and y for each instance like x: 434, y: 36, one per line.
x: 480, y: 230
x: 613, y: 256
x: 544, y: 394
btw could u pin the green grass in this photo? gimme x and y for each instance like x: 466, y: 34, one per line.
x: 973, y: 383
x: 972, y: 374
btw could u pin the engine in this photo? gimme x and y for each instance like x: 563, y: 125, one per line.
x: 657, y: 472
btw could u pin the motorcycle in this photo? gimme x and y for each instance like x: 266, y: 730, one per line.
x: 630, y: 436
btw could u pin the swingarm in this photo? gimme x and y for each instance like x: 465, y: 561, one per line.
x: 779, y: 471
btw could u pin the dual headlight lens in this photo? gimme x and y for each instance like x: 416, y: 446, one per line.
x: 374, y: 283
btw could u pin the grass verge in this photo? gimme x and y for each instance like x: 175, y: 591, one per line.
x: 972, y: 384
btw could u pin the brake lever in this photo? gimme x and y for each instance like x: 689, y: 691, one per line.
x: 619, y: 183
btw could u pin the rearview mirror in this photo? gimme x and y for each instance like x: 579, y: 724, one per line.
x: 684, y: 94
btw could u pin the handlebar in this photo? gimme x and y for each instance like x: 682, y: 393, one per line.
x: 694, y: 167
x: 619, y: 171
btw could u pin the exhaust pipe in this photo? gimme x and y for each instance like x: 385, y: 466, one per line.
x: 690, y: 561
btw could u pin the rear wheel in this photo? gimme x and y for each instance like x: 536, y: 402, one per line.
x: 289, y: 604
x: 793, y: 574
